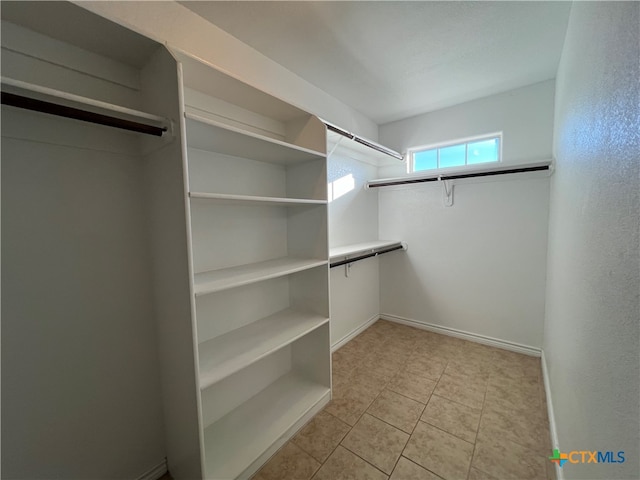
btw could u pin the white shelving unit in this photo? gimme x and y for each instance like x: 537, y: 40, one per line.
x: 208, y: 236
x: 257, y: 209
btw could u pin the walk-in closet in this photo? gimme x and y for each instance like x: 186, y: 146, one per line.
x: 319, y: 240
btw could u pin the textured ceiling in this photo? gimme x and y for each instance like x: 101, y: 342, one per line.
x: 391, y: 60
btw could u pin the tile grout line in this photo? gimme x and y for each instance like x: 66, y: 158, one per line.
x: 467, y: 406
x: 414, y: 427
x: 346, y: 434
x: 390, y: 424
x: 535, y: 449
x: 448, y: 433
x: 425, y: 468
x: 308, y: 453
x: 409, y: 398
x: 367, y: 461
x: 339, y: 443
x: 475, y: 442
x: 363, y: 413
x: 478, y: 432
x: 456, y: 402
x: 409, y: 437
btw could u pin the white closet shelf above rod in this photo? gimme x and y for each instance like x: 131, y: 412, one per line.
x: 364, y: 142
x: 25, y: 95
x: 453, y: 174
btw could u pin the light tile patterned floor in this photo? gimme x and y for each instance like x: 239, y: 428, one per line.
x: 410, y: 404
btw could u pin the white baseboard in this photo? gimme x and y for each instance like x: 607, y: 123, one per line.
x: 354, y: 333
x: 552, y: 417
x: 473, y: 337
x: 156, y: 472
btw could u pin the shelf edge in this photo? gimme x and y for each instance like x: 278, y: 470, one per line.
x: 256, y: 199
x: 212, y: 123
x: 199, y: 292
x: 212, y: 381
x: 22, y: 86
x: 363, y: 248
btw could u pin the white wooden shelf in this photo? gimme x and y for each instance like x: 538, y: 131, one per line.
x: 225, y: 278
x: 203, y: 76
x: 482, y: 172
x: 228, y: 353
x: 58, y: 97
x: 337, y: 253
x: 229, y: 199
x: 339, y: 145
x: 239, y: 438
x: 206, y: 134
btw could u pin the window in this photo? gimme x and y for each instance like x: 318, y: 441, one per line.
x: 458, y: 153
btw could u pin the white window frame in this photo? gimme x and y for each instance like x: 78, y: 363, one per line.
x: 450, y: 143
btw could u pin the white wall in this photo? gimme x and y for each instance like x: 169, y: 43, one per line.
x: 524, y: 115
x: 353, y: 218
x: 81, y: 395
x: 80, y: 379
x: 170, y: 22
x: 591, y: 340
x: 478, y: 266
x: 355, y: 299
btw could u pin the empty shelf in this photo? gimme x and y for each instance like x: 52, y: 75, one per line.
x: 216, y: 280
x: 359, y: 248
x: 228, y: 199
x: 203, y: 76
x: 342, y: 146
x: 205, y: 134
x: 240, y: 437
x: 228, y: 353
x: 68, y: 104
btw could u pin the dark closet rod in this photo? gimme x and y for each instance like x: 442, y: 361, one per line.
x: 366, y: 255
x: 27, y: 103
x: 342, y: 132
x: 458, y: 176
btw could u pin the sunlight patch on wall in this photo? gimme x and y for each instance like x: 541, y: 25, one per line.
x: 340, y: 187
